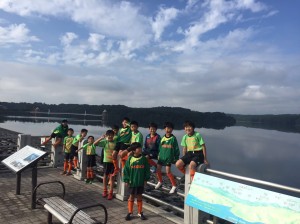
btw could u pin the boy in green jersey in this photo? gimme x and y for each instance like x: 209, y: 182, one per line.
x: 168, y: 154
x: 194, y: 150
x: 136, y: 136
x: 78, y: 138
x: 123, y: 141
x: 90, y: 149
x: 67, y: 151
x: 60, y: 132
x: 109, y: 144
x: 136, y: 175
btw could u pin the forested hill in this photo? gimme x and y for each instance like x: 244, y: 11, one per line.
x: 115, y: 113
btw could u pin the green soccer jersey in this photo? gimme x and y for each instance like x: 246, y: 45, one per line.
x: 136, y: 171
x: 61, y: 131
x: 168, y: 150
x: 136, y: 137
x: 192, y: 143
x: 76, y: 140
x: 90, y: 149
x: 68, y: 143
x: 124, y: 135
x: 108, y: 148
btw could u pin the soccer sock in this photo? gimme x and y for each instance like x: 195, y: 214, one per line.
x: 130, y: 206
x: 92, y: 174
x: 182, y: 170
x: 65, y: 165
x: 140, y: 206
x: 172, y: 179
x: 192, y: 173
x: 87, y: 174
x: 159, y: 176
x: 75, y: 162
x: 151, y: 162
x: 69, y: 166
x: 116, y: 166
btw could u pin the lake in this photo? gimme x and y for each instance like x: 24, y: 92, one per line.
x: 267, y: 155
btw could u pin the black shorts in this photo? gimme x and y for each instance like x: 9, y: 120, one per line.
x: 108, y: 168
x: 196, y: 156
x: 152, y: 155
x: 162, y: 163
x: 91, y: 160
x: 136, y: 190
x: 121, y: 146
x: 68, y: 156
x: 73, y: 151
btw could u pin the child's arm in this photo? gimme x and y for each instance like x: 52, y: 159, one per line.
x: 205, y: 154
x: 176, y: 150
x: 126, y: 172
x: 99, y: 139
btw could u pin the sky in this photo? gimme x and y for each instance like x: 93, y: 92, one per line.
x: 232, y: 56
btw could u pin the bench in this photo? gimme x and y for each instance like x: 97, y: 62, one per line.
x: 64, y: 211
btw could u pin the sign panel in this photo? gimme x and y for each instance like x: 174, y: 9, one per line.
x: 241, y: 203
x: 23, y: 158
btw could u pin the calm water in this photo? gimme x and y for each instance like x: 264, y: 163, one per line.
x: 256, y: 153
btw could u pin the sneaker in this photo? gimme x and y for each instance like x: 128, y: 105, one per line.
x: 87, y: 181
x: 77, y: 168
x: 173, y: 189
x: 141, y: 215
x: 91, y: 181
x: 153, y: 169
x: 110, y: 196
x: 63, y: 173
x: 104, y: 194
x: 128, y: 217
x: 158, y: 185
x: 68, y: 174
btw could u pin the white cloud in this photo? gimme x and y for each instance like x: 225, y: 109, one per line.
x: 163, y: 18
x: 68, y: 38
x: 15, y: 34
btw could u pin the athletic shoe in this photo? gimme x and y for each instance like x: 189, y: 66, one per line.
x: 87, y: 181
x: 91, y: 181
x: 104, y: 194
x: 128, y: 217
x: 173, y: 189
x: 110, y: 196
x: 153, y: 169
x: 68, y: 174
x: 63, y: 173
x: 141, y: 215
x: 158, y: 185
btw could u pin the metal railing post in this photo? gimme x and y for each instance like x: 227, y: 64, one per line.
x: 23, y: 140
x: 193, y: 215
x: 81, y: 172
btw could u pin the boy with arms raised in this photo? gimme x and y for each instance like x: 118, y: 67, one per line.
x: 67, y: 151
x: 136, y: 175
x: 109, y: 144
x: 168, y: 154
x: 194, y: 150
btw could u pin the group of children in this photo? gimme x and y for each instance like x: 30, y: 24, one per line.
x: 136, y: 155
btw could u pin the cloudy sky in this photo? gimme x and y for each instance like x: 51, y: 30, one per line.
x: 233, y: 56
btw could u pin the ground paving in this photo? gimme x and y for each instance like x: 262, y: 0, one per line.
x: 17, y: 208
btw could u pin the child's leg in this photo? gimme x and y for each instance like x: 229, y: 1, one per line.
x: 170, y: 175
x: 88, y: 173
x: 139, y: 203
x: 104, y: 185
x: 115, y: 162
x: 111, y: 185
x: 69, y: 166
x: 181, y: 166
x: 65, y: 165
x: 123, y: 155
x: 130, y: 203
x: 57, y: 142
x: 75, y: 162
x: 193, y: 167
x: 151, y: 162
x: 158, y: 173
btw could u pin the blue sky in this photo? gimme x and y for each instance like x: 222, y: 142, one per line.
x: 238, y: 56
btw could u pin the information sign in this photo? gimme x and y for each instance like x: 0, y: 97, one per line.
x: 23, y: 158
x: 241, y: 203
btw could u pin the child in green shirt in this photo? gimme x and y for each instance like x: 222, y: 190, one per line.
x: 136, y: 175
x: 67, y: 151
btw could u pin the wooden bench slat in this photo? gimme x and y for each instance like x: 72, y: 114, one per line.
x: 64, y: 210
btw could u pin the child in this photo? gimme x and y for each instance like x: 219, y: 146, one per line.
x: 67, y: 151
x: 59, y: 133
x: 168, y: 154
x: 108, y: 145
x: 136, y: 136
x: 90, y: 148
x: 151, y: 145
x: 75, y: 144
x: 194, y: 150
x: 136, y: 175
x: 123, y: 140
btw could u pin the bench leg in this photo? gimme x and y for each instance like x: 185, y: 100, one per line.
x: 49, y: 220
